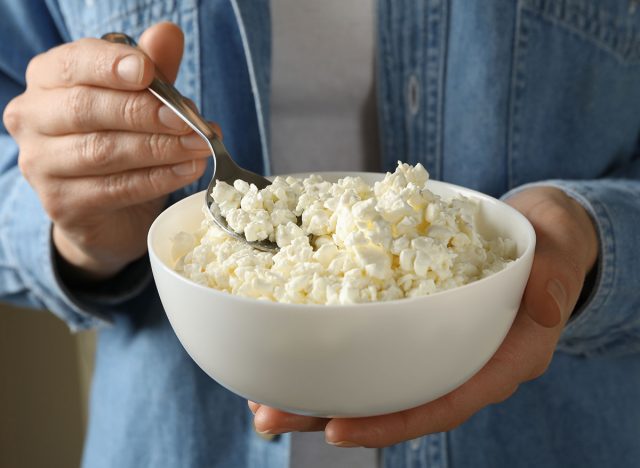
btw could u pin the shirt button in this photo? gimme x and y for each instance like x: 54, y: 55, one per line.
x: 413, y: 94
x: 415, y: 444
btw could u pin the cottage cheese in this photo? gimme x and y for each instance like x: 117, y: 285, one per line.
x: 341, y: 243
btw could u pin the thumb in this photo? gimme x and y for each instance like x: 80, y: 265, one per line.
x: 553, y: 287
x: 566, y: 249
x: 164, y: 43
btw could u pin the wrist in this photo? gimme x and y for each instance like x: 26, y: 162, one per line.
x: 76, y: 266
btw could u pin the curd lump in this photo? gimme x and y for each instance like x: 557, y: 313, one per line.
x: 355, y: 243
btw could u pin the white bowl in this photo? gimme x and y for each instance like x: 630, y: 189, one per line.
x: 351, y: 360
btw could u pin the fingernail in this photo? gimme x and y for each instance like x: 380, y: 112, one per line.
x: 253, y: 407
x: 131, y: 68
x: 169, y: 119
x: 267, y: 436
x: 557, y: 292
x: 184, y: 169
x: 275, y: 431
x: 343, y: 443
x: 193, y: 141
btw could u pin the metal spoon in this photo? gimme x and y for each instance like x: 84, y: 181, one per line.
x: 224, y: 169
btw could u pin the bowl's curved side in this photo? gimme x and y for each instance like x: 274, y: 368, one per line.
x: 352, y: 361
x: 340, y: 360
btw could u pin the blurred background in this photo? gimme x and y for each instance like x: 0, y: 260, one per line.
x: 44, y: 383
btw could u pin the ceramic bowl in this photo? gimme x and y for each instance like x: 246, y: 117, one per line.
x: 344, y: 360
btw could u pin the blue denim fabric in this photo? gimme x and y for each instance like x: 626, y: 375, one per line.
x: 493, y: 95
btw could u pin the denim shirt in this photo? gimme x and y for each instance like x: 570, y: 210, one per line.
x: 492, y: 94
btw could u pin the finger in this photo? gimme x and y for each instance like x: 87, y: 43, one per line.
x: 164, y: 43
x: 554, y: 285
x: 440, y: 415
x: 103, y: 153
x: 495, y: 382
x: 69, y: 199
x: 92, y: 62
x: 273, y: 421
x: 89, y: 109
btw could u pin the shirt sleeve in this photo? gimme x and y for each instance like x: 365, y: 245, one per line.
x: 607, y: 320
x: 29, y: 273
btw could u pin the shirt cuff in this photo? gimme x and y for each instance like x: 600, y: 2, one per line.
x: 125, y: 285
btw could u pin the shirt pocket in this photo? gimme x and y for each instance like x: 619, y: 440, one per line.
x: 93, y: 18
x: 574, y: 109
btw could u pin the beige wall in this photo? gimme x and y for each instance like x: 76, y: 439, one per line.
x: 44, y: 379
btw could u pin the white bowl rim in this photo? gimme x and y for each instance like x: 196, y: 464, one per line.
x: 467, y: 192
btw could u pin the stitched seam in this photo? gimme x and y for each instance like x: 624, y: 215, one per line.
x: 517, y: 85
x: 609, y: 272
x: 433, y: 76
x: 590, y: 343
x: 617, y: 38
x: 403, y: 31
x: 444, y: 45
x: 387, y: 133
x: 415, y: 81
x: 607, y: 276
x: 192, y: 59
x: 575, y: 32
x: 412, y: 76
x: 254, y: 89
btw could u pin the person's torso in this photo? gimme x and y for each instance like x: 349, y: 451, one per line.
x: 489, y: 95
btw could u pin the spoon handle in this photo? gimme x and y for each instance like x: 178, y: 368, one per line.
x: 169, y: 95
